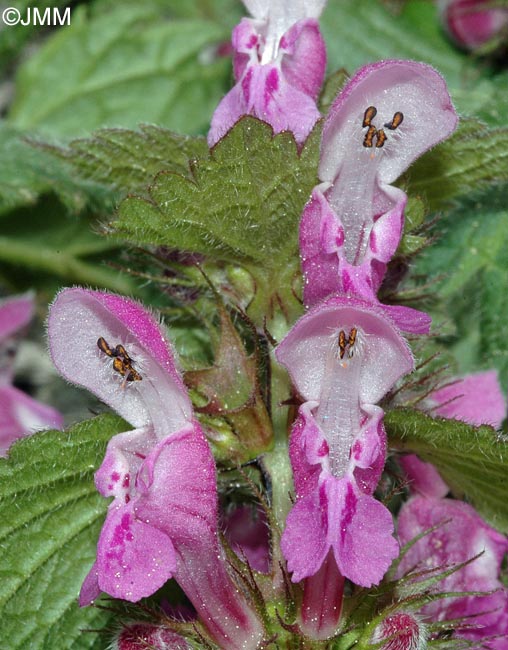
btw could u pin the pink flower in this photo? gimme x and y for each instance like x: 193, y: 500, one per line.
x: 162, y: 522
x: 476, y: 399
x: 461, y: 534
x: 342, y: 356
x: 20, y: 415
x: 473, y: 23
x: 279, y: 66
x: 386, y: 116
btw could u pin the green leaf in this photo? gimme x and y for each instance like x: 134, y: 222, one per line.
x: 14, y: 37
x: 128, y: 160
x: 45, y: 244
x: 28, y: 172
x: 361, y: 31
x: 127, y: 66
x: 470, y: 259
x: 473, y: 461
x: 243, y: 205
x: 50, y: 517
x: 473, y: 157
x: 232, y: 391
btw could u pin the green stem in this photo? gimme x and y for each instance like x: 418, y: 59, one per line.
x: 276, y: 462
x: 59, y: 263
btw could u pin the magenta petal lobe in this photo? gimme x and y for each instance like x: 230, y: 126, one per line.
x: 134, y: 559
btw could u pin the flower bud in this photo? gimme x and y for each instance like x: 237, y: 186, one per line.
x: 473, y: 23
x: 140, y: 636
x: 402, y: 631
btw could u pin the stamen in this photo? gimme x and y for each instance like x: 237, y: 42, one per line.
x: 380, y: 138
x: 351, y: 341
x: 379, y: 134
x: 104, y: 347
x: 397, y: 119
x: 122, y: 363
x: 342, y: 343
x: 369, y: 136
x: 348, y: 343
x: 369, y: 115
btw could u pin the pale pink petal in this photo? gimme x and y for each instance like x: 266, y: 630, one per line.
x: 475, y: 399
x: 391, y: 86
x: 423, y: 478
x: 90, y: 589
x: 384, y: 354
x: 21, y: 416
x: 408, y: 319
x: 78, y: 318
x: 15, y: 313
x: 305, y: 68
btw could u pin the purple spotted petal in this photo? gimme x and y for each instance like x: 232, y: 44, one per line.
x: 336, y: 356
x: 265, y: 94
x: 361, y: 533
x: 461, y: 536
x: 279, y: 66
x: 349, y: 257
x: 356, y: 527
x: 368, y: 451
x: 21, y: 416
x: 78, y: 318
x: 308, y: 450
x: 134, y: 559
x: 162, y: 522
x: 304, y: 540
x: 179, y: 496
